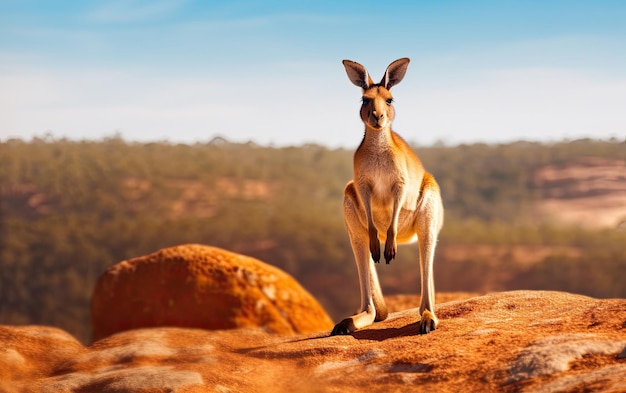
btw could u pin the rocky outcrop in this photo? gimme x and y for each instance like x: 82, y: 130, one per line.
x: 202, y: 287
x: 514, y: 341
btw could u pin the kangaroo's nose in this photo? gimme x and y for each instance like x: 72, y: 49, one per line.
x: 377, y: 116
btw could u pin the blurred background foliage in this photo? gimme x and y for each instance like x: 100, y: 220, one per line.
x: 71, y: 209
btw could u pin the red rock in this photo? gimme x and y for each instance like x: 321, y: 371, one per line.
x: 530, y: 341
x: 33, y: 351
x: 202, y: 287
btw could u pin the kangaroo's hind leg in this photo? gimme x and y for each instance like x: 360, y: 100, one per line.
x: 428, y: 225
x: 373, y: 307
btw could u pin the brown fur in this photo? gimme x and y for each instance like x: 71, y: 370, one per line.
x: 391, y: 199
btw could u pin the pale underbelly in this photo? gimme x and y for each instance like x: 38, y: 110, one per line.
x: 406, y: 230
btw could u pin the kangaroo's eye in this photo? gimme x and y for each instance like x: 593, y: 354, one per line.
x: 365, y: 100
x: 389, y: 101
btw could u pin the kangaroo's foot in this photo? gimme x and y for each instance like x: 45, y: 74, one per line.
x: 358, y: 321
x: 428, y: 322
x: 344, y: 327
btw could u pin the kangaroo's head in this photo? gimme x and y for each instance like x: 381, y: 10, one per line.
x: 377, y: 110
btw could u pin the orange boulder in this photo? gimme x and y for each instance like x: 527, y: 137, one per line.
x: 202, y: 287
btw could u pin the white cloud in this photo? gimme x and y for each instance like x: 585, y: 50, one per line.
x: 93, y: 104
x: 533, y: 104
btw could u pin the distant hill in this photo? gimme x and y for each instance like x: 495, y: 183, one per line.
x: 590, y: 192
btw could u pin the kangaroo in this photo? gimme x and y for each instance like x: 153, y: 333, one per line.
x: 391, y: 199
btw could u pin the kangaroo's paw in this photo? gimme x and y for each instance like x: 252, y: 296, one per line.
x: 428, y: 322
x: 374, y: 244
x: 390, y: 250
x: 343, y: 328
x: 375, y: 250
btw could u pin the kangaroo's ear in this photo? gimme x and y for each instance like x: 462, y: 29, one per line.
x: 395, y: 73
x: 358, y: 74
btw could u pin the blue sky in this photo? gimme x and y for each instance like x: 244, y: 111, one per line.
x: 270, y: 72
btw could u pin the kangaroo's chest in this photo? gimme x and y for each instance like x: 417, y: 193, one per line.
x: 383, y: 189
x: 386, y: 177
x: 386, y: 184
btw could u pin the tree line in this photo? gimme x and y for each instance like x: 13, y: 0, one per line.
x: 70, y: 209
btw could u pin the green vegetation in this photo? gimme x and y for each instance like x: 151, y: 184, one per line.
x: 69, y: 210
